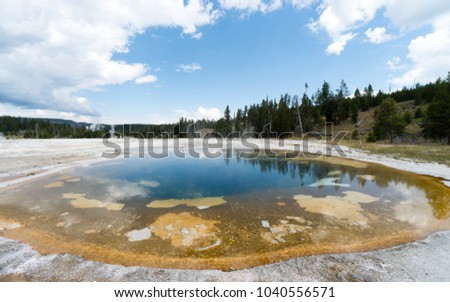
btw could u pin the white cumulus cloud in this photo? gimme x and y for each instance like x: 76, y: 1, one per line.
x: 378, y: 35
x: 264, y: 6
x: 250, y: 6
x: 394, y: 63
x: 430, y: 56
x: 8, y: 109
x: 52, y: 51
x: 407, y: 14
x: 299, y: 4
x: 208, y: 113
x: 146, y: 79
x: 338, y: 18
x: 201, y: 113
x: 338, y: 45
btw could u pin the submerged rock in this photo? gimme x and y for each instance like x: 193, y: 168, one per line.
x: 9, y: 225
x: 186, y: 230
x: 336, y: 207
x: 359, y: 197
x: 277, y: 233
x: 53, y: 185
x: 81, y: 202
x: 200, y: 203
x: 139, y: 235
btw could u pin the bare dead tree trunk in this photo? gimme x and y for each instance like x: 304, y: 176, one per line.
x: 299, y: 116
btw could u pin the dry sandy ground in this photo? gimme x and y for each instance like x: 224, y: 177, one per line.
x: 24, y: 160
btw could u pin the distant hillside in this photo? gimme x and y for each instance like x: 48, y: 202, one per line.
x: 366, y: 120
x: 26, y: 127
x: 59, y: 121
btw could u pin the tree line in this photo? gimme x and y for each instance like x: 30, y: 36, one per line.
x: 281, y: 117
x: 48, y: 128
x: 292, y: 114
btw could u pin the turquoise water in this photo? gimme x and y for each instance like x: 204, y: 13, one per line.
x: 193, y: 178
x: 219, y: 212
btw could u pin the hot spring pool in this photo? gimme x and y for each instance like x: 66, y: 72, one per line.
x: 223, y: 213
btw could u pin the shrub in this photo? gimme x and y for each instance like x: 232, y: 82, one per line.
x: 418, y: 113
x: 371, y: 138
x: 407, y: 117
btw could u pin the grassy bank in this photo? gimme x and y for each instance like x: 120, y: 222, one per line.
x: 423, y: 152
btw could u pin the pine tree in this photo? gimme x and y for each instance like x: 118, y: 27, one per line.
x: 343, y: 104
x: 388, y: 121
x: 326, y: 102
x: 227, y: 120
x: 355, y: 111
x: 437, y: 119
x: 238, y: 121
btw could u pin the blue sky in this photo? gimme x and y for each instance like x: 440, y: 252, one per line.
x: 147, y: 62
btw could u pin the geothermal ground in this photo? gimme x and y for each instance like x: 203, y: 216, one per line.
x: 25, y: 160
